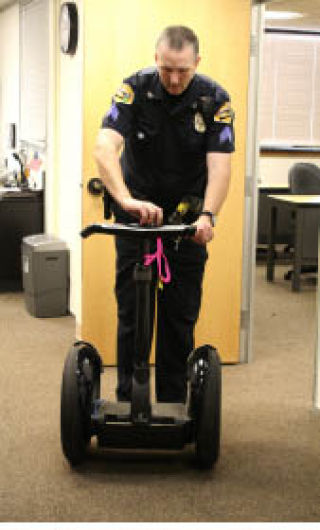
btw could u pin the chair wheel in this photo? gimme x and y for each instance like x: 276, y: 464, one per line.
x: 80, y: 386
x: 205, y: 404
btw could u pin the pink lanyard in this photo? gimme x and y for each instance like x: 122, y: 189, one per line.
x: 159, y: 255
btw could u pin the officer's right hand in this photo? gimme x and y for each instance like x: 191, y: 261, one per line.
x: 147, y: 212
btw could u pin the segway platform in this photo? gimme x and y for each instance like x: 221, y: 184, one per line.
x: 170, y: 427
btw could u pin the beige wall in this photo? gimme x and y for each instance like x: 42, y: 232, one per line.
x: 273, y: 170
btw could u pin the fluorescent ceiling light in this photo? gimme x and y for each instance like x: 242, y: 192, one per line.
x: 281, y: 15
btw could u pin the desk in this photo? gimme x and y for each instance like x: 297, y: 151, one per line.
x: 299, y: 204
x: 284, y: 222
x: 21, y: 214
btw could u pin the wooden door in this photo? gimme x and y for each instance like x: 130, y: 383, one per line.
x: 118, y: 40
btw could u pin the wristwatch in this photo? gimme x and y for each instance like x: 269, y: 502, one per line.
x: 211, y: 215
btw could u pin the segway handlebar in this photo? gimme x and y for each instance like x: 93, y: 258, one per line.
x: 139, y: 231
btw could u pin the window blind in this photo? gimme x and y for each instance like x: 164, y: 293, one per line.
x: 290, y: 90
x: 34, y: 48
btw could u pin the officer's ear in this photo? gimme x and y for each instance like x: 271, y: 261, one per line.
x: 197, y: 60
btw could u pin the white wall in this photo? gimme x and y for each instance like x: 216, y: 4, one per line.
x: 64, y: 192
x: 64, y: 135
x: 9, y: 73
x: 273, y: 171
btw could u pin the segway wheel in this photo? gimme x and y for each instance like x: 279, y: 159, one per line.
x: 80, y: 386
x: 206, y: 405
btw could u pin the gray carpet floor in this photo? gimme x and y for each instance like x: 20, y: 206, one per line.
x: 269, y: 469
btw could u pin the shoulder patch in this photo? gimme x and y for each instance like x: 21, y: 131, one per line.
x: 124, y: 94
x: 224, y: 114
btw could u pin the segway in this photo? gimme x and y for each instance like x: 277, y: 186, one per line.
x: 140, y: 424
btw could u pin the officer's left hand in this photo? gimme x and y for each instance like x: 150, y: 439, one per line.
x: 204, y: 232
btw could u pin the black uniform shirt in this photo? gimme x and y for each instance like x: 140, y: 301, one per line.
x: 167, y: 136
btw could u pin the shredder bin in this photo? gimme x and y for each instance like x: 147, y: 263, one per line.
x: 45, y: 275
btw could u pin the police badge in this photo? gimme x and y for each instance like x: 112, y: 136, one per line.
x: 199, y: 124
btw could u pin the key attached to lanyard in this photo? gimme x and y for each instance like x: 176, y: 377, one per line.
x: 177, y: 243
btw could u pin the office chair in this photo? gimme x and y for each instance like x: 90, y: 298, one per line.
x: 304, y: 179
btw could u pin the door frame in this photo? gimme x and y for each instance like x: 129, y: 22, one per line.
x: 251, y: 179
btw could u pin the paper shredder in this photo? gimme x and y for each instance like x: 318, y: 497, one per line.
x: 45, y: 275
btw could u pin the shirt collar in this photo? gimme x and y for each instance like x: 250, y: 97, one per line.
x: 156, y: 91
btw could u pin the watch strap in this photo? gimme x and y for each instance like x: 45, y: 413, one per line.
x: 211, y: 215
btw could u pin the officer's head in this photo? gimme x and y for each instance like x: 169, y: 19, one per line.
x: 177, y: 57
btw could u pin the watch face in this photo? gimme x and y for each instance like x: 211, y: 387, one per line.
x: 68, y: 27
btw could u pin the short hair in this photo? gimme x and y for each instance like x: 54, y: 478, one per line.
x: 178, y: 36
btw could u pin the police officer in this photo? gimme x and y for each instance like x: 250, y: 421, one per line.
x: 176, y: 128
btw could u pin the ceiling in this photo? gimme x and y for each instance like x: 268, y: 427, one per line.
x: 309, y: 8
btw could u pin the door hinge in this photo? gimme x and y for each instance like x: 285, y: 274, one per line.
x: 244, y: 319
x: 253, y: 46
x: 248, y: 186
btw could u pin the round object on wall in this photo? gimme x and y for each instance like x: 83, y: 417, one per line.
x: 68, y: 27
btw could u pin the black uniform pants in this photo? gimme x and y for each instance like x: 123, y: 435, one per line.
x: 178, y: 305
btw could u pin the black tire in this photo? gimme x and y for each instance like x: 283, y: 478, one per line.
x: 80, y: 385
x: 205, y: 405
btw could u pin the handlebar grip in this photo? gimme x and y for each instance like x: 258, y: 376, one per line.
x: 89, y: 230
x: 189, y: 230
